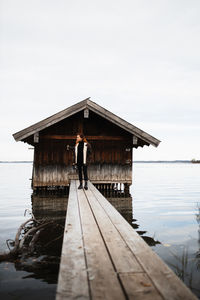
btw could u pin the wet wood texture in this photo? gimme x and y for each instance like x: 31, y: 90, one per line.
x: 103, y: 257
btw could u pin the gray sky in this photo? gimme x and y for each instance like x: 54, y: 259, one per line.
x: 139, y: 59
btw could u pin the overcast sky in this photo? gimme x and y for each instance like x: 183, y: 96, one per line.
x: 138, y: 59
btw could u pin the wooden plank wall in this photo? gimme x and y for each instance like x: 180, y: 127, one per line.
x: 111, y: 160
x: 55, y: 152
x: 60, y: 175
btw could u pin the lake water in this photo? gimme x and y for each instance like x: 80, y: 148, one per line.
x: 165, y: 203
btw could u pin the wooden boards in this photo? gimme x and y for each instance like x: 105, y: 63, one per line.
x: 104, y: 258
x: 73, y: 281
x: 60, y: 175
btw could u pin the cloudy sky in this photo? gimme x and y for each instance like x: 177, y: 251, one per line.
x: 139, y: 59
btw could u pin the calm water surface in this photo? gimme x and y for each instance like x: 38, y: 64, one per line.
x: 36, y: 277
x: 166, y: 202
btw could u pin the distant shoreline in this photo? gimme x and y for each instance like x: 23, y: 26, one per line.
x: 162, y: 161
x: 135, y: 161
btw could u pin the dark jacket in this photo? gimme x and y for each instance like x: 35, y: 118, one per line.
x: 87, y: 151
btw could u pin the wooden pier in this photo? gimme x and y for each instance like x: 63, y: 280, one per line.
x: 103, y: 257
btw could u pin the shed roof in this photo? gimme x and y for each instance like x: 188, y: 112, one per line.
x: 87, y: 103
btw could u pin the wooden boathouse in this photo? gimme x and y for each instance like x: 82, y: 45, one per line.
x: 102, y: 257
x: 112, y: 140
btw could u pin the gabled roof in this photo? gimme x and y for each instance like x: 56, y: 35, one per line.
x: 87, y: 103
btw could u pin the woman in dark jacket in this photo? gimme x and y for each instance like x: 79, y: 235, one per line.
x: 82, y: 156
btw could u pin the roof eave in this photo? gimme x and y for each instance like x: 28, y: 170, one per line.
x: 127, y: 126
x: 22, y: 134
x: 87, y: 103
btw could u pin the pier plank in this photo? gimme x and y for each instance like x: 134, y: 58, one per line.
x: 138, y: 286
x: 123, y: 258
x: 103, y: 280
x: 72, y: 281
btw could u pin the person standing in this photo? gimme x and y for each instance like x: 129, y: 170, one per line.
x: 82, y: 156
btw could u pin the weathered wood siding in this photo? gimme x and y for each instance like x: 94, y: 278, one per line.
x: 111, y: 159
x: 55, y: 175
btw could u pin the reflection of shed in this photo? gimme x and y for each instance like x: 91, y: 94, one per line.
x: 111, y: 138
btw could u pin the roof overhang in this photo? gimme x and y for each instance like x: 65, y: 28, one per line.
x: 87, y: 103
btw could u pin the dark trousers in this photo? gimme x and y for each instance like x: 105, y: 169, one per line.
x: 84, y: 169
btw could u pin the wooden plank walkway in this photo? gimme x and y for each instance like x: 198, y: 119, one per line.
x: 103, y: 257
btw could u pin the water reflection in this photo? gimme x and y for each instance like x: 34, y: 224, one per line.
x: 123, y: 202
x: 49, y: 207
x: 185, y: 260
x: 37, y: 265
x: 44, y: 261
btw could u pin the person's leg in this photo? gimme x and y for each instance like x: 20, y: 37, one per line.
x: 80, y: 176
x: 85, y: 176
